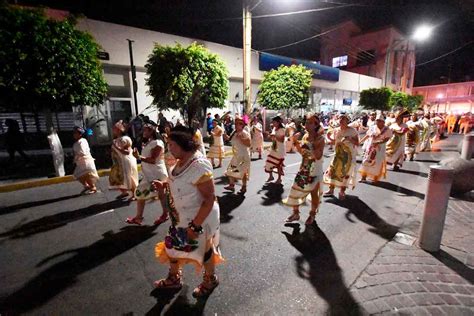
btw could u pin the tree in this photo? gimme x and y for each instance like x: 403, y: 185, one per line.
x: 375, y: 98
x: 46, y: 64
x: 286, y: 87
x: 188, y: 79
x: 398, y: 100
x: 414, y: 102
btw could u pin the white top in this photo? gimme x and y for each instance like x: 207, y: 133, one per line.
x: 218, y: 141
x: 238, y: 148
x: 81, y: 150
x: 156, y: 171
x: 187, y: 197
x: 280, y: 150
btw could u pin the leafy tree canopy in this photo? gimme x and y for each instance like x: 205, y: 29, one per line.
x: 285, y: 87
x: 414, y: 102
x: 46, y: 64
x: 376, y: 99
x: 188, y: 79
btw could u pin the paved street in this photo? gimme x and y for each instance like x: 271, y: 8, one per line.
x: 68, y: 254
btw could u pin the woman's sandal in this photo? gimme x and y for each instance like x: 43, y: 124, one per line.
x: 293, y: 217
x: 342, y: 196
x: 311, y: 218
x: 134, y: 220
x: 163, y: 218
x: 230, y: 188
x: 328, y: 193
x: 207, y: 286
x: 173, y: 281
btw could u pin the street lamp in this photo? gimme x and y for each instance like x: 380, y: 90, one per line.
x: 422, y: 33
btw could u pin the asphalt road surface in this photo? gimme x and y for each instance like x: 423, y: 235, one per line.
x: 62, y: 253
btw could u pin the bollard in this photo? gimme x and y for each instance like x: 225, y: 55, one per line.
x: 467, y: 146
x: 436, y: 203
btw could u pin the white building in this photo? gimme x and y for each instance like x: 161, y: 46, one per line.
x: 326, y: 95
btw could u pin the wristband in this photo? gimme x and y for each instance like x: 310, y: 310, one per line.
x: 195, y: 228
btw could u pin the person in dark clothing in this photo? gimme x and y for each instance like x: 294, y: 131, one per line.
x: 162, y: 123
x: 14, y: 140
x: 209, y: 125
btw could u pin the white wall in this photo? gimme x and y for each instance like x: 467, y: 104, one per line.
x: 113, y: 39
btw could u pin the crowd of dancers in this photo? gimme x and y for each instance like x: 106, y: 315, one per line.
x: 177, y: 170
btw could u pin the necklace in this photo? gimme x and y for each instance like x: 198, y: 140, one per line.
x: 177, y: 170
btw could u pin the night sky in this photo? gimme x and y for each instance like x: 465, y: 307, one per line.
x: 220, y: 21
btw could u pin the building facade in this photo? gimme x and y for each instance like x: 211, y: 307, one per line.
x: 326, y: 95
x: 382, y: 53
x: 456, y: 98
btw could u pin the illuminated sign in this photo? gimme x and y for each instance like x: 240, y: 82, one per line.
x: 339, y: 61
x: 270, y: 61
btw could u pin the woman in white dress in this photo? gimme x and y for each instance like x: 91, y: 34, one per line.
x: 239, y: 166
x: 216, y: 150
x: 396, y: 145
x: 193, y: 237
x: 374, y: 164
x: 308, y: 180
x: 153, y: 168
x: 290, y: 131
x: 85, y: 171
x: 276, y: 157
x: 256, y: 132
x: 342, y: 170
x: 124, y: 172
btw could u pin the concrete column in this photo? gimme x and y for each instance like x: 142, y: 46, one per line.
x: 467, y: 146
x: 436, y: 203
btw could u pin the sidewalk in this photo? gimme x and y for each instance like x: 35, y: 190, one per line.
x: 406, y: 280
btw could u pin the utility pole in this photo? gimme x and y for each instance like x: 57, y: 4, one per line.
x: 134, y: 76
x: 247, y: 56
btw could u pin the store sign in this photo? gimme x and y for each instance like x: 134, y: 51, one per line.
x: 103, y: 55
x: 270, y: 61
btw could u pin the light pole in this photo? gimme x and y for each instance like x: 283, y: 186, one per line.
x: 247, y: 53
x: 421, y: 34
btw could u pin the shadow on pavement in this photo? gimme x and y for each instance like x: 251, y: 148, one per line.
x: 427, y: 160
x: 14, y: 208
x: 61, y: 275
x: 323, y: 272
x: 364, y: 213
x: 415, y: 173
x: 273, y: 193
x: 454, y: 264
x: 396, y: 188
x: 175, y: 303
x: 61, y: 219
x: 228, y: 203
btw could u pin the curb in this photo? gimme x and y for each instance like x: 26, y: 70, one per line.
x: 69, y: 178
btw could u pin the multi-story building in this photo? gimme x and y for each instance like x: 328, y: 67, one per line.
x: 384, y: 53
x: 454, y: 98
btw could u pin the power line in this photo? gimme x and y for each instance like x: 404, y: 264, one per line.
x: 444, y: 55
x: 279, y: 14
x: 300, y: 41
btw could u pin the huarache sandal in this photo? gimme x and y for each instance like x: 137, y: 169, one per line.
x: 163, y: 218
x: 311, y: 218
x: 207, y: 286
x: 328, y: 193
x: 342, y: 196
x: 134, y: 220
x: 293, y: 217
x: 230, y: 188
x: 173, y: 281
